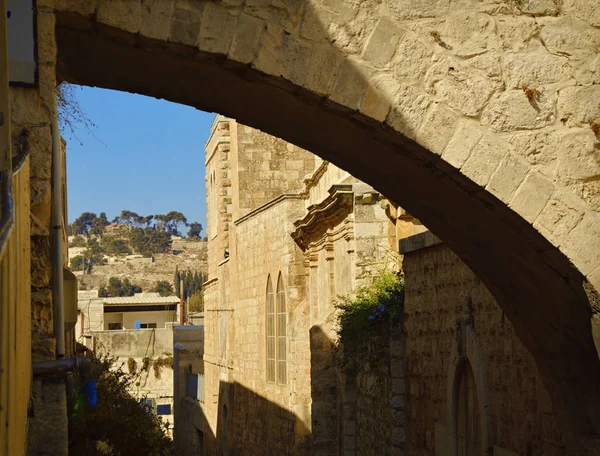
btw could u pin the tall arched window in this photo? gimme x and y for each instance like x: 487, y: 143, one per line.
x: 467, y: 414
x: 271, y: 337
x: 281, y: 333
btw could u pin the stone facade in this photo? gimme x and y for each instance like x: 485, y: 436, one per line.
x: 453, y: 326
x: 191, y: 431
x: 302, y: 235
x: 155, y: 383
x: 131, y: 345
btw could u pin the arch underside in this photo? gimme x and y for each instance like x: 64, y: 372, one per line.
x: 539, y: 290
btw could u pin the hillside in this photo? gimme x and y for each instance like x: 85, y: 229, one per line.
x: 185, y: 255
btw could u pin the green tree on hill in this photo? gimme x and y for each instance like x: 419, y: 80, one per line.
x: 118, y: 288
x: 93, y: 255
x: 78, y: 241
x: 148, y: 241
x: 115, y: 246
x: 164, y: 288
x: 192, y: 283
x: 195, y: 231
x: 83, y: 223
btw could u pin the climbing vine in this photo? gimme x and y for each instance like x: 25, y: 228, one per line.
x: 361, y: 317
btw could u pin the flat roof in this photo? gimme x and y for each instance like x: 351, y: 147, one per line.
x: 141, y: 300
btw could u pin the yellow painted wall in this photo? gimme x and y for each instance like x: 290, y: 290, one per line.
x: 15, y: 324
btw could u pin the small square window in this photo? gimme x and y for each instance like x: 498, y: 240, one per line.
x: 149, y: 404
x: 163, y: 409
x: 148, y: 325
x: 114, y: 326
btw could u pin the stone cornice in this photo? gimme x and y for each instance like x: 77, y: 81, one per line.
x: 267, y: 205
x: 314, y: 178
x: 340, y: 199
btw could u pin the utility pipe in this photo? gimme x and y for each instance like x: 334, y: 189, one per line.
x: 60, y: 366
x: 57, y: 234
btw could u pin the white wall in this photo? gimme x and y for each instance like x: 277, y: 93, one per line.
x: 160, y: 317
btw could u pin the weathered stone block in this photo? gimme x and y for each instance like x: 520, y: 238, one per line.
x: 518, y: 33
x: 532, y: 196
x: 466, y: 136
x: 295, y: 60
x: 41, y: 271
x: 43, y: 347
x: 568, y: 35
x: 315, y: 22
x: 121, y: 14
x: 484, y: 159
x: 156, y: 16
x: 537, y: 148
x: 216, y: 29
x: 46, y: 23
x: 586, y: 67
x: 40, y: 147
x: 47, y: 83
x: 578, y: 156
x: 508, y: 176
x: 539, y: 7
x: 416, y: 58
x: 469, y: 34
x: 268, y: 56
x: 464, y: 88
x: 27, y: 108
x: 376, y: 103
x: 583, y: 9
x: 381, y: 46
x: 325, y: 62
x: 534, y: 69
x: 244, y: 45
x: 285, y: 14
x: 350, y: 84
x: 437, y: 128
x: 583, y: 243
x: 562, y: 213
x: 83, y: 7
x: 185, y: 27
x: 408, y: 110
x: 412, y: 9
x: 40, y: 199
x: 511, y: 110
x: 579, y: 105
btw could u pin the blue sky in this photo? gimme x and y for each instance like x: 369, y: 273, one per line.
x: 147, y: 156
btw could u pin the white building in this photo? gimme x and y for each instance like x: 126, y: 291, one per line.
x: 138, y: 330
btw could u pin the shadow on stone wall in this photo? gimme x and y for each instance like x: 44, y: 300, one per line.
x: 247, y: 424
x: 363, y: 413
x: 326, y: 437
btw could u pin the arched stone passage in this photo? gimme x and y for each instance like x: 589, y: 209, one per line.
x: 424, y: 103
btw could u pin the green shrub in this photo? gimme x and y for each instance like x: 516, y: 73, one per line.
x: 196, y: 303
x: 361, y: 316
x: 78, y: 241
x: 77, y: 263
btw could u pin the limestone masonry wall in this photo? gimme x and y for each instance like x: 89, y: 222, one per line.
x: 441, y: 291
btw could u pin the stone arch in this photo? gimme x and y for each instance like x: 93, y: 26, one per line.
x: 412, y: 100
x: 466, y: 353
